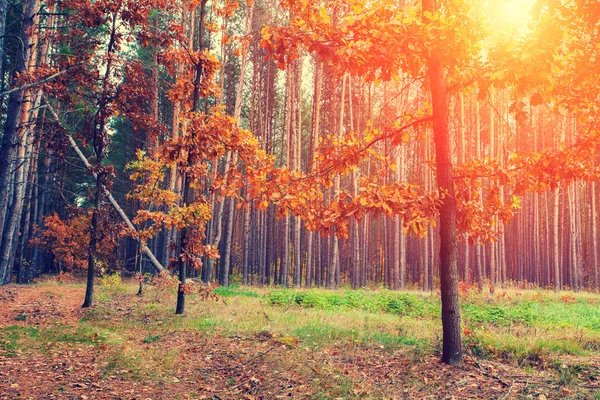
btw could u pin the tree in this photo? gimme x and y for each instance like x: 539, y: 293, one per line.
x: 452, y: 348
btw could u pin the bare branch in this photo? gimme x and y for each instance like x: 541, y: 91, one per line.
x: 34, y: 84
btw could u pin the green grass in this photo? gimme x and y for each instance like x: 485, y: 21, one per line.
x: 524, y: 328
x: 152, y: 338
x: 18, y: 339
x: 402, y: 304
x: 235, y: 290
x: 12, y: 336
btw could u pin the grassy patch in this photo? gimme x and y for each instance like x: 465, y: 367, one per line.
x: 235, y: 290
x: 203, y: 325
x: 525, y: 328
x: 403, y: 304
x: 15, y: 340
x: 80, y: 334
x: 20, y: 317
x: 525, y: 312
x: 12, y: 337
x: 152, y: 338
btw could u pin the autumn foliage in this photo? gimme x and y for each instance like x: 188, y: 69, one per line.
x: 67, y: 241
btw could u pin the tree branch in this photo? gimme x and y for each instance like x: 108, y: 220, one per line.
x: 34, y: 84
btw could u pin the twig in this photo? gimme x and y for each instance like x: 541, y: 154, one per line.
x: 473, y: 358
x: 509, y: 390
x: 483, y: 371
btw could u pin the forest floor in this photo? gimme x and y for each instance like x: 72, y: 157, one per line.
x: 252, y: 343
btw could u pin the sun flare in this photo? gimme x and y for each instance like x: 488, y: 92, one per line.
x: 509, y: 16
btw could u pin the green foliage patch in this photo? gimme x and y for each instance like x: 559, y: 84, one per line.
x: 403, y: 304
x: 525, y: 312
x: 11, y: 336
x: 235, y: 290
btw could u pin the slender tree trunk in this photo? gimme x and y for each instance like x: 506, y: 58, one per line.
x: 226, y: 266
x: 452, y: 347
x: 463, y: 155
x: 479, y: 256
x: 314, y: 139
x: 594, y: 221
x: 182, y: 245
x: 335, y: 262
x: 100, y: 140
x: 23, y: 265
x: 3, y: 14
x: 492, y: 246
x: 93, y: 244
x: 557, y: 245
x: 297, y: 165
x: 402, y: 262
x: 355, y: 246
x: 246, y: 255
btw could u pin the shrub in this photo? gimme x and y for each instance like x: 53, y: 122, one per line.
x: 110, y: 280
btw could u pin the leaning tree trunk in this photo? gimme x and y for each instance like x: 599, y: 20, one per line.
x: 119, y: 210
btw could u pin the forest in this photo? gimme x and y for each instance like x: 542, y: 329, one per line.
x: 421, y: 170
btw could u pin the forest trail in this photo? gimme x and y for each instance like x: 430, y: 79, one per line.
x: 50, y: 348
x: 37, y: 305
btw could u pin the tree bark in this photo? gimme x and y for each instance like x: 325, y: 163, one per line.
x: 16, y: 146
x: 452, y: 347
x: 594, y: 221
x: 335, y: 254
x: 226, y: 266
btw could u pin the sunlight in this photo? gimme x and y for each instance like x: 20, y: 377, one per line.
x: 509, y: 16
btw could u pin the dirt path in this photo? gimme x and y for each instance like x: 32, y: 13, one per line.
x: 41, y: 305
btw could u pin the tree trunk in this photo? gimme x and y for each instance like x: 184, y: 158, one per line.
x: 479, y: 257
x: 594, y: 221
x: 226, y: 266
x: 93, y: 244
x: 17, y: 138
x: 335, y: 254
x: 297, y: 165
x: 462, y: 159
x: 3, y: 14
x: 452, y: 347
x: 14, y: 137
x: 355, y: 245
